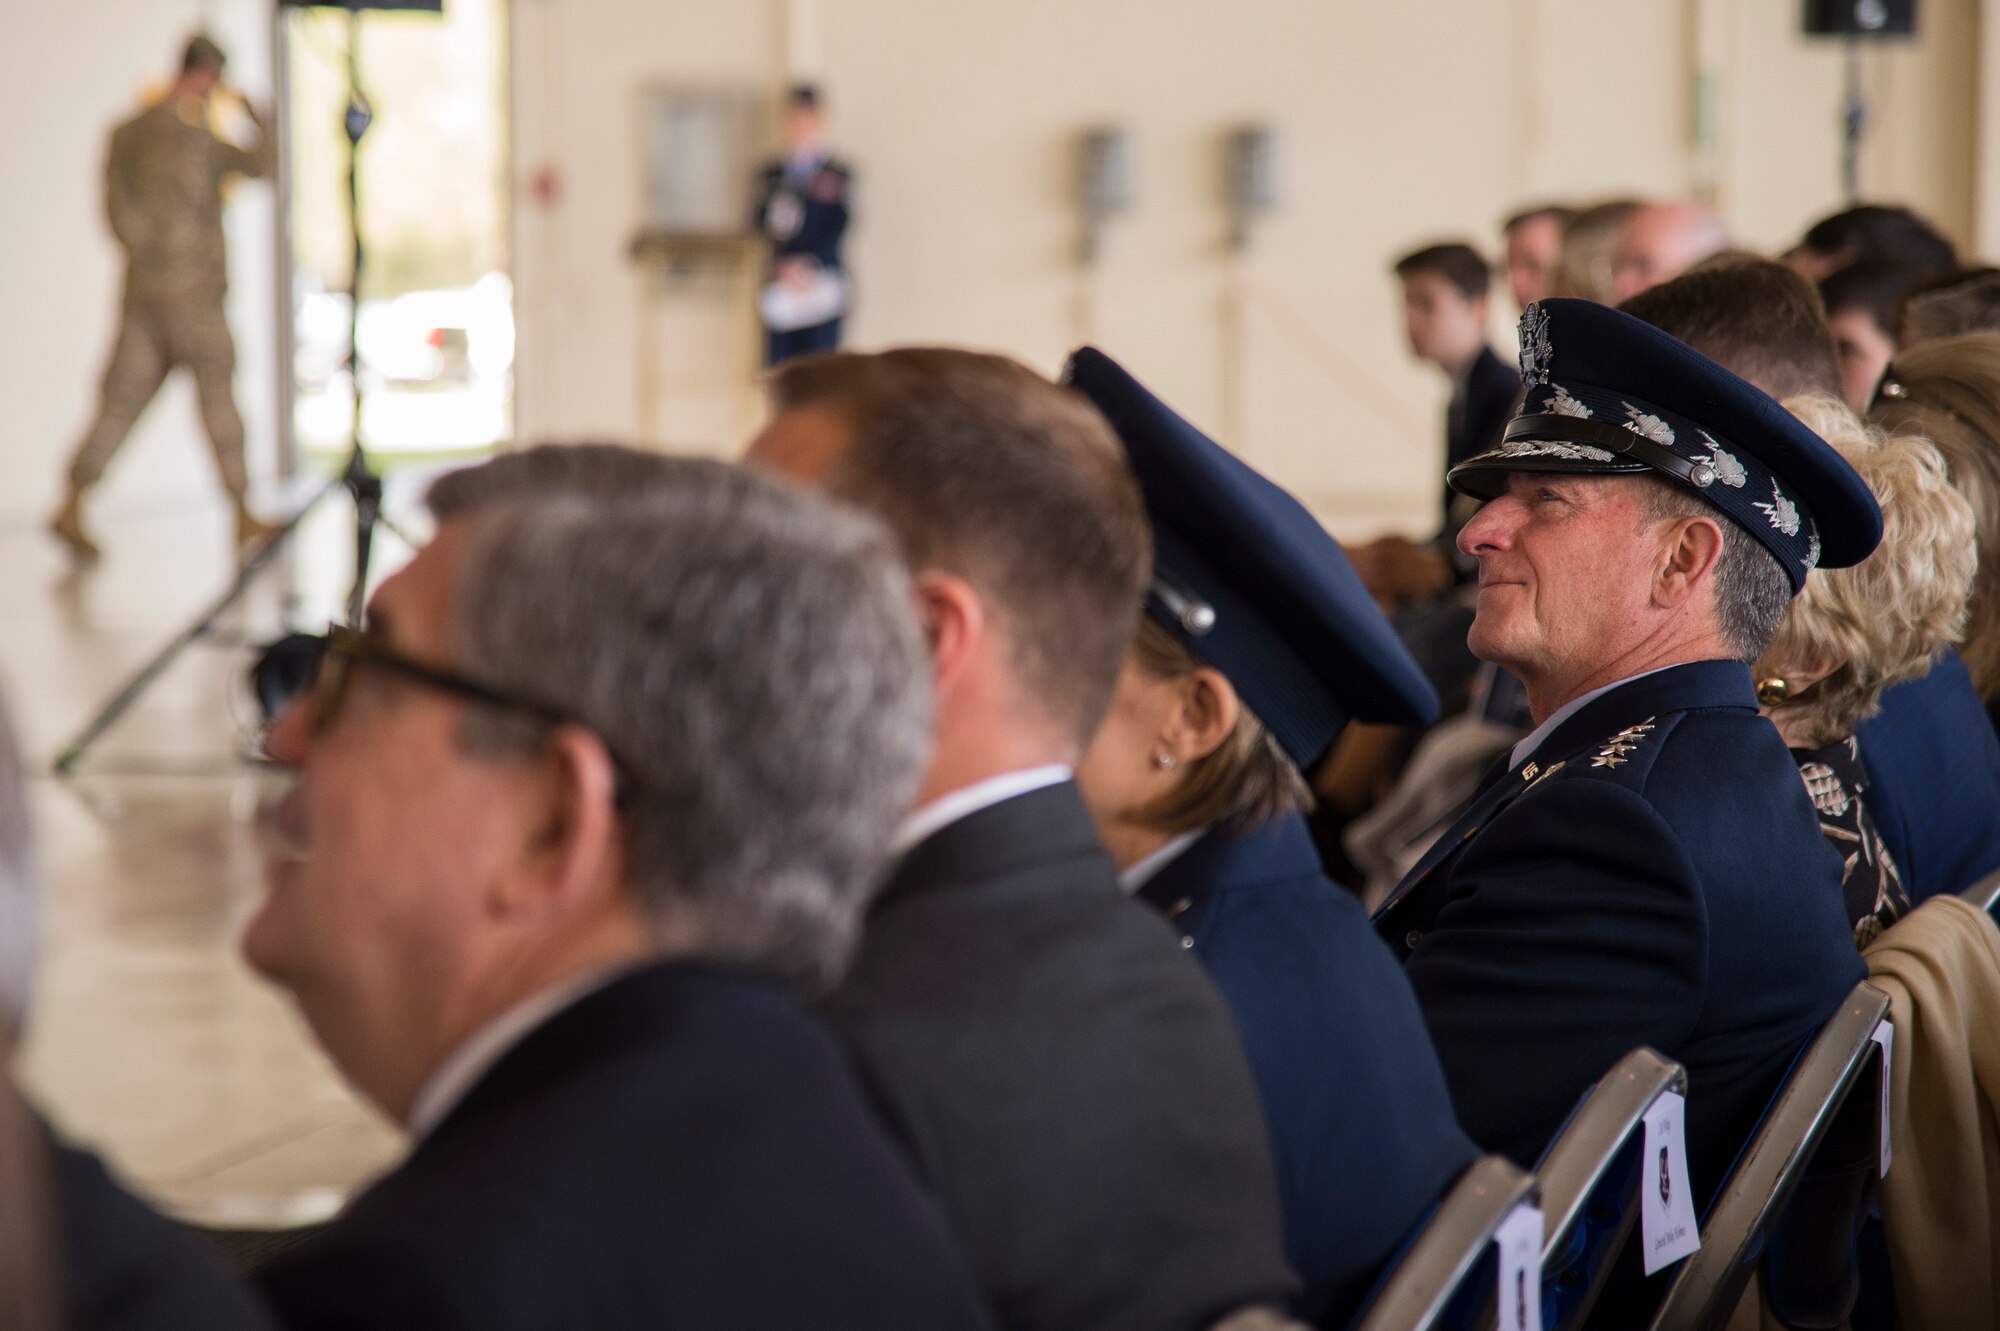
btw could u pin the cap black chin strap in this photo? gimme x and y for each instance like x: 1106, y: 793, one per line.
x: 1627, y: 443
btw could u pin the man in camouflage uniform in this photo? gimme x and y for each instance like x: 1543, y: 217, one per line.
x: 163, y: 195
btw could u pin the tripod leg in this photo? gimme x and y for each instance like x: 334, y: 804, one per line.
x: 121, y: 701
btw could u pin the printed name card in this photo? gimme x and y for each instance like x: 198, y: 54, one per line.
x: 1667, y: 1227
x: 1885, y: 1035
x: 1519, y: 1243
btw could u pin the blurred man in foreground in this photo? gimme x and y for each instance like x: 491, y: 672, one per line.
x: 77, y: 1250
x: 1069, y: 1084
x: 604, y: 783
x: 163, y: 196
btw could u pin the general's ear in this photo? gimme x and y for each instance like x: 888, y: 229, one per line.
x: 1689, y: 555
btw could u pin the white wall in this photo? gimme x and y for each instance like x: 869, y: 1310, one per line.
x: 1401, y: 123
x: 59, y: 269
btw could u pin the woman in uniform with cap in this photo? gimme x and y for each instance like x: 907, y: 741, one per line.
x: 1258, y: 645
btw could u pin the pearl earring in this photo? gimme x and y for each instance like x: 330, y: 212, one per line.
x: 1164, y: 761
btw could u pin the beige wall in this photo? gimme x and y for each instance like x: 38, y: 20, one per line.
x: 1400, y: 123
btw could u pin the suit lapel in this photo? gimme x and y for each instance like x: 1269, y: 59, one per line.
x: 1676, y: 689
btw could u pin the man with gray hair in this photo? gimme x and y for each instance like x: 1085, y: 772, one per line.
x: 76, y: 1249
x: 597, y: 797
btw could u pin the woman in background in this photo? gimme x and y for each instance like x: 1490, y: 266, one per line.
x: 1853, y: 632
x: 1257, y: 646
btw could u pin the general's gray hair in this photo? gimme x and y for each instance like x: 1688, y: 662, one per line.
x: 1751, y: 589
x: 750, y: 655
x: 20, y: 880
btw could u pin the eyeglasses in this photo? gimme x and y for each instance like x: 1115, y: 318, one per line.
x: 341, y: 649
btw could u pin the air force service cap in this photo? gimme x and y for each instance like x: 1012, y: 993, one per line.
x: 1251, y: 583
x: 1605, y: 393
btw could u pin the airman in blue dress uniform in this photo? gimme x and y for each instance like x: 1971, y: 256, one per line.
x: 1249, y: 583
x: 1645, y: 867
x: 802, y: 210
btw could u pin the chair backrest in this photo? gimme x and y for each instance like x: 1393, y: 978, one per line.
x: 1590, y: 1183
x: 1415, y: 1293
x: 1985, y: 893
x: 1707, y: 1286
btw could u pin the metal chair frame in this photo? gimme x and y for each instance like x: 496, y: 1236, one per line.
x: 1581, y: 1159
x: 1416, y: 1293
x: 1708, y: 1284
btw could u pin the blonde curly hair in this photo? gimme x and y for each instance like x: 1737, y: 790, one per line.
x: 1884, y: 619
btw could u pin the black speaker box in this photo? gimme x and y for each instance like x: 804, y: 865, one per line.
x: 427, y: 6
x: 1861, y: 18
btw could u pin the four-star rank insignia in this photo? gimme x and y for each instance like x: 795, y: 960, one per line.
x: 1614, y: 751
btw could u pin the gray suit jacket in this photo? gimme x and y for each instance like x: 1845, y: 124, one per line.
x: 1066, y: 1079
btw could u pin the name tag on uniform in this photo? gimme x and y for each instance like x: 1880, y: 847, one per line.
x: 1518, y: 1242
x: 1885, y: 1035
x: 1667, y: 1228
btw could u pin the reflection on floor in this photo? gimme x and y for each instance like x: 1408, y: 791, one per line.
x: 150, y: 1041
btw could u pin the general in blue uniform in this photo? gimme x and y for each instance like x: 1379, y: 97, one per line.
x: 1361, y: 1124
x: 1645, y: 868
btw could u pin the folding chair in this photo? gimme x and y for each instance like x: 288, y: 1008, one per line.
x: 1812, y: 1108
x: 1590, y: 1183
x: 1417, y: 1292
x: 1985, y: 893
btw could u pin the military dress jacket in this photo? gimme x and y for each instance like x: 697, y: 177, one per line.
x: 1652, y: 874
x: 1066, y: 1079
x: 804, y: 217
x: 683, y: 1148
x: 1934, y: 780
x: 1361, y: 1123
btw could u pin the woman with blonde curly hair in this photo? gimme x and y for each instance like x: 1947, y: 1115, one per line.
x: 1853, y: 632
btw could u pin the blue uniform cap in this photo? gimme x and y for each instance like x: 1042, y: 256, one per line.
x: 1606, y: 393
x: 1251, y: 583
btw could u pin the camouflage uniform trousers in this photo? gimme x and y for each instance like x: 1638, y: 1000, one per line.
x: 154, y: 337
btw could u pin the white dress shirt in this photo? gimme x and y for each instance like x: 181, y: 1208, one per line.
x: 1569, y: 709
x: 1142, y: 871
x: 475, y: 1056
x: 929, y: 819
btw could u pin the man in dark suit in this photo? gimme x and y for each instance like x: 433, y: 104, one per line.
x: 802, y: 211
x: 80, y: 1251
x: 1645, y: 868
x: 1933, y: 770
x: 1066, y: 1080
x: 569, y: 835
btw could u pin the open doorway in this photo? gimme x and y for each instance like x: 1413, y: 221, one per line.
x: 436, y: 327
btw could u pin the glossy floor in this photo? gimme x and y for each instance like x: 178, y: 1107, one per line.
x: 149, y: 1039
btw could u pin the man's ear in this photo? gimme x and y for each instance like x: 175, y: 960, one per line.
x: 1689, y: 555
x: 575, y: 847
x: 954, y: 622
x: 1205, y: 716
